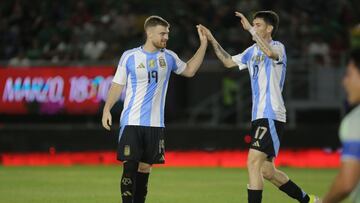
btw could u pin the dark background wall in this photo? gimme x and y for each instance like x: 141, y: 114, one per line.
x: 55, y: 33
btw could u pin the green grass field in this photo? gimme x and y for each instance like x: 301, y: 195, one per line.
x: 90, y: 184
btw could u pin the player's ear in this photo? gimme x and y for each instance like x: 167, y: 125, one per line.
x: 269, y: 28
x: 148, y: 32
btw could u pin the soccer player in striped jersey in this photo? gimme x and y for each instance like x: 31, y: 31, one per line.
x: 266, y: 62
x: 145, y: 72
x: 347, y: 182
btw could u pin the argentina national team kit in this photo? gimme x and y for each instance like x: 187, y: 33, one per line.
x: 267, y: 82
x: 350, y: 139
x: 146, y: 76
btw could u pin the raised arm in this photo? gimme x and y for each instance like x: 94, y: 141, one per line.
x: 223, y: 56
x: 113, y: 95
x: 264, y: 46
x: 193, y: 65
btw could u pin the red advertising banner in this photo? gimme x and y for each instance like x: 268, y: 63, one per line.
x: 54, y: 90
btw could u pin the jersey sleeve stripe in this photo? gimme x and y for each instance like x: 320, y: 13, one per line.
x: 351, y: 149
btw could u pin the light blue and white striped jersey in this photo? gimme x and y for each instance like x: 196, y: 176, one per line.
x: 350, y: 135
x: 146, y: 76
x: 350, y: 139
x: 267, y: 80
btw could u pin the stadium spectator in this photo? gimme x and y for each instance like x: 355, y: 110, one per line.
x: 319, y: 51
x: 22, y: 21
x: 34, y: 52
x: 20, y: 60
x: 94, y: 48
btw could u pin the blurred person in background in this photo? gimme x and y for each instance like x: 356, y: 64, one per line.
x: 94, y: 48
x: 266, y: 62
x: 145, y: 71
x: 348, y: 179
x: 20, y: 60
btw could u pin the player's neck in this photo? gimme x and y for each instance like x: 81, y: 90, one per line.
x: 148, y: 47
x: 268, y: 39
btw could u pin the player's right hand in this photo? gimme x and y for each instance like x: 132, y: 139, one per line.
x: 106, y: 119
x: 244, y: 21
x: 202, y: 35
x: 207, y: 32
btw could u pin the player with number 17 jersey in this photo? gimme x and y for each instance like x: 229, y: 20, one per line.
x: 267, y: 80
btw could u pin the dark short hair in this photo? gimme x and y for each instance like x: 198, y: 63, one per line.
x: 153, y: 21
x: 271, y: 18
x: 355, y: 57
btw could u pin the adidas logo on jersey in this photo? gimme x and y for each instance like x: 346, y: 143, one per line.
x: 126, y: 194
x: 141, y: 66
x: 256, y: 144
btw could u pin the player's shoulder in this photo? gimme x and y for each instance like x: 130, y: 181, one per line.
x: 354, y: 115
x: 350, y: 125
x: 250, y: 48
x: 277, y: 43
x: 131, y: 51
x: 170, y: 53
x: 126, y: 55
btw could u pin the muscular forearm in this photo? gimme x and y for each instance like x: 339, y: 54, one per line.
x: 264, y: 46
x: 195, y: 62
x: 113, y: 96
x: 223, y: 56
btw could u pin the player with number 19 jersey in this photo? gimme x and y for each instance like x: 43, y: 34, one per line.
x: 146, y: 76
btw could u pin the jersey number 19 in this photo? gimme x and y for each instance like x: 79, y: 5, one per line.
x: 153, y: 74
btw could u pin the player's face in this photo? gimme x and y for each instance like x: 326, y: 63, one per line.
x: 351, y: 82
x: 158, y: 36
x: 263, y: 29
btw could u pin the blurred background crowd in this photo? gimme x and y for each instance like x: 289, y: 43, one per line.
x: 61, y: 35
x: 67, y: 30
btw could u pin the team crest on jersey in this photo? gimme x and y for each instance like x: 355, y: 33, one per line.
x: 141, y: 66
x: 127, y: 150
x: 162, y: 62
x: 151, y: 63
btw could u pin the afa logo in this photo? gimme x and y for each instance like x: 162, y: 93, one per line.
x: 162, y: 62
x: 127, y: 150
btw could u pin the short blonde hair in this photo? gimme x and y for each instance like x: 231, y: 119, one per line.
x: 154, y: 20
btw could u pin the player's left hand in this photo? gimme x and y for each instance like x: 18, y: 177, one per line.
x: 202, y: 36
x: 244, y: 21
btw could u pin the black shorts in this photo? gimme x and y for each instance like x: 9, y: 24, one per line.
x: 141, y: 144
x: 266, y: 135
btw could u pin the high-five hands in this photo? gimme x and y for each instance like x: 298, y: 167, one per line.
x: 202, y: 35
x: 207, y: 32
